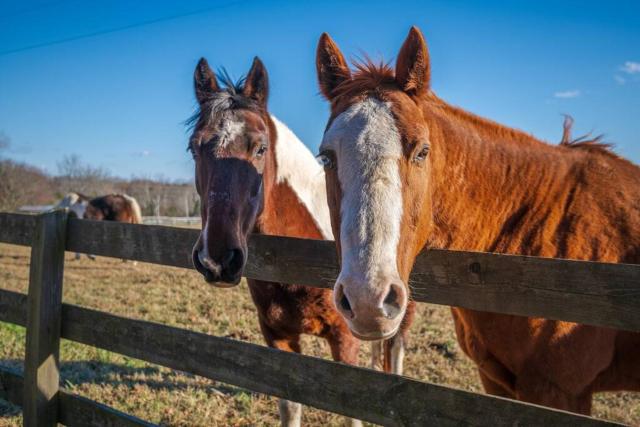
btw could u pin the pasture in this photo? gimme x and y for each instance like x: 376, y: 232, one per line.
x: 180, y: 298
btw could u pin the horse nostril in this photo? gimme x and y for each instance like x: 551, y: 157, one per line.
x: 391, y: 303
x: 233, y: 260
x: 226, y: 260
x: 343, y: 301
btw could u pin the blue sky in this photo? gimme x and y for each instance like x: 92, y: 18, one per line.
x: 119, y: 98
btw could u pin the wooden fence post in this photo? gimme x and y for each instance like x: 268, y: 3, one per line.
x: 41, y: 366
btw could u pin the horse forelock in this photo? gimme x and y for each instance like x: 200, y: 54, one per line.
x: 221, y: 103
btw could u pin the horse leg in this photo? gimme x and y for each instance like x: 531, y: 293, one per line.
x: 377, y: 355
x: 78, y: 256
x: 290, y: 412
x: 394, y: 346
x: 344, y: 348
x: 394, y: 354
x: 543, y: 392
x: 493, y: 387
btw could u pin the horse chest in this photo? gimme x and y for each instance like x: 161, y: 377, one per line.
x: 295, y: 309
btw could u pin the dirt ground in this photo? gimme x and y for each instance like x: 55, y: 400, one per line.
x: 180, y: 298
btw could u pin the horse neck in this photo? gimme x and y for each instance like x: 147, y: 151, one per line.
x: 284, y: 212
x: 484, y: 177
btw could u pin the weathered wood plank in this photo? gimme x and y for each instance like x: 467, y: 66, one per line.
x: 586, y: 292
x: 16, y: 228
x: 315, y: 382
x: 13, y: 307
x: 351, y: 391
x: 74, y: 410
x: 44, y: 317
x: 148, y: 243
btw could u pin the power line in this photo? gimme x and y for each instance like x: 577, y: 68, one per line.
x: 114, y: 30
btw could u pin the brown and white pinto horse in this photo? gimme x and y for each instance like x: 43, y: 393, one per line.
x: 407, y: 171
x: 254, y: 175
x: 114, y: 207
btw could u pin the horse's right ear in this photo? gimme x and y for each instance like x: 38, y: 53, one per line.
x: 331, y: 66
x: 204, y: 81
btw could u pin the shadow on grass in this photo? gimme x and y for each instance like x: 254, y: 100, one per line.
x: 77, y: 373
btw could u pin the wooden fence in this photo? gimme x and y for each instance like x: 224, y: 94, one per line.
x: 593, y: 293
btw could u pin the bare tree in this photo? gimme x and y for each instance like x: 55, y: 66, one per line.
x: 76, y: 176
x: 20, y: 183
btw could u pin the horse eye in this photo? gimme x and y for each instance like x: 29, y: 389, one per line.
x: 325, y: 160
x: 261, y: 150
x: 422, y: 154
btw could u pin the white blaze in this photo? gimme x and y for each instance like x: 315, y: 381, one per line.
x: 368, y: 148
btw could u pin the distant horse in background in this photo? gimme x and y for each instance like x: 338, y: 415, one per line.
x: 112, y: 207
x: 76, y: 203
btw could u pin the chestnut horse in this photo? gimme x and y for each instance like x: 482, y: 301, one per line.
x: 407, y: 171
x: 254, y: 175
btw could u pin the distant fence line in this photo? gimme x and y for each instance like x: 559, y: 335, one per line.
x: 593, y: 293
x: 151, y: 220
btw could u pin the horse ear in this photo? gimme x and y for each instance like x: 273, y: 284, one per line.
x: 204, y: 81
x: 331, y: 66
x: 256, y: 85
x: 413, y: 71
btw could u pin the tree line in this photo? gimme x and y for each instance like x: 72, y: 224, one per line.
x: 22, y: 184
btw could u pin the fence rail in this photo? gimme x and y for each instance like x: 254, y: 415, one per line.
x: 355, y: 392
x: 593, y: 293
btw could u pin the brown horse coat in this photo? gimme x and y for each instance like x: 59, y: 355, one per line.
x: 487, y: 187
x: 114, y: 207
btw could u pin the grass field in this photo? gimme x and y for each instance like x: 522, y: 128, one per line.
x: 180, y: 298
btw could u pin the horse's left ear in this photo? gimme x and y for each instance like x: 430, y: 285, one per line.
x: 256, y: 85
x: 413, y: 71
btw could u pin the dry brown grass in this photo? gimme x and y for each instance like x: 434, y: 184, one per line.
x: 180, y: 298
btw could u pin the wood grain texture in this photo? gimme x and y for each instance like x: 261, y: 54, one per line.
x: 17, y: 229
x: 360, y: 393
x: 356, y: 392
x: 44, y: 318
x: 593, y: 293
x: 74, y: 410
x: 586, y: 292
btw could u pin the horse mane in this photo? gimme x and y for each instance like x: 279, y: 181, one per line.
x: 585, y: 142
x: 368, y: 76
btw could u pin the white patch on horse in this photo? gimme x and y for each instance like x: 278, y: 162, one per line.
x: 368, y: 148
x: 299, y: 169
x: 74, y: 203
x: 230, y: 130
